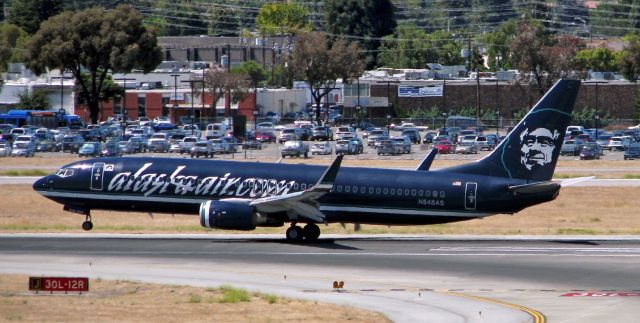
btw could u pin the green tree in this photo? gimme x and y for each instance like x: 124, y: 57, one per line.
x: 28, y: 14
x: 223, y: 20
x: 255, y: 74
x: 36, y: 100
x: 367, y: 21
x: 629, y: 59
x: 498, y: 45
x: 12, y: 42
x: 596, y: 59
x: 96, y: 42
x: 282, y: 19
x: 320, y: 65
x: 407, y: 48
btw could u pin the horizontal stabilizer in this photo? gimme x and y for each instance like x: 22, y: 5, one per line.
x: 540, y: 187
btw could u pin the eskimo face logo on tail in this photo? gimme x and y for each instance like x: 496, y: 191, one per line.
x: 537, y: 147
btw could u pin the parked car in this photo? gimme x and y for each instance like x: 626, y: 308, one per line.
x: 413, y: 135
x: 357, y: 143
x: 71, y: 143
x: 139, y: 144
x: 467, y: 148
x: 388, y: 147
x: 91, y: 148
x: 252, y: 144
x: 428, y: 137
x: 265, y: 136
x: 295, y: 148
x: 344, y: 131
x: 375, y: 135
x: 444, y: 146
x: 5, y: 149
x: 321, y: 148
x: 159, y: 142
x: 571, y: 147
x: 23, y: 148
x: 223, y: 146
x: 322, y: 133
x: 112, y: 149
x: 590, y: 151
x: 47, y: 145
x: 345, y: 147
x: 632, y: 152
x: 127, y: 147
x: 486, y: 142
x: 187, y: 143
x: 403, y: 142
x: 202, y: 148
x: 603, y: 141
x: 290, y: 134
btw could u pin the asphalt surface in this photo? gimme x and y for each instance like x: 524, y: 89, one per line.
x: 415, y: 278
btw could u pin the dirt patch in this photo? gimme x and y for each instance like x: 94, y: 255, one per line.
x: 127, y: 301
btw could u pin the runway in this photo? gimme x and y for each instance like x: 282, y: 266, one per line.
x: 409, y: 278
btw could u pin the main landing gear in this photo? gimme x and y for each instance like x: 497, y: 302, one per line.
x: 309, y: 233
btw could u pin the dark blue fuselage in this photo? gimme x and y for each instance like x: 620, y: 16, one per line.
x: 360, y: 195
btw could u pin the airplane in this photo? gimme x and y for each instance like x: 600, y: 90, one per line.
x: 245, y: 195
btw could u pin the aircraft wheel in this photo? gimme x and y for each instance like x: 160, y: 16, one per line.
x: 311, y: 232
x: 87, y: 225
x: 295, y: 234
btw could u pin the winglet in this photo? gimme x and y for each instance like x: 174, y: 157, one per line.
x: 329, y: 176
x: 426, y: 162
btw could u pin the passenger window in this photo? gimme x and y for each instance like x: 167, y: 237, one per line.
x: 363, y: 189
x: 296, y: 186
x: 393, y: 191
x: 385, y: 191
x: 370, y: 190
x: 413, y: 192
x: 303, y: 186
x: 347, y: 189
x: 339, y: 188
x: 420, y: 193
x: 406, y: 191
x: 427, y: 193
x: 442, y: 194
x: 378, y: 190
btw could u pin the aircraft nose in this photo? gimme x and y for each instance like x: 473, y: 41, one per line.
x: 44, y: 183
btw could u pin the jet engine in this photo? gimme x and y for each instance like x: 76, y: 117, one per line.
x: 233, y: 215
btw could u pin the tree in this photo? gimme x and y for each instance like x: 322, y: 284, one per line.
x: 364, y: 20
x: 220, y: 81
x: 498, y: 43
x: 255, y: 74
x: 629, y: 59
x: 36, y: 100
x: 28, y: 14
x: 596, y: 59
x: 526, y: 51
x: 282, y: 19
x: 320, y: 65
x: 12, y: 42
x: 96, y: 42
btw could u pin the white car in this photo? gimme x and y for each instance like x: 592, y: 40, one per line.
x: 321, y: 148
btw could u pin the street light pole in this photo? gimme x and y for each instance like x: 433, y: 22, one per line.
x: 192, y: 114
x: 175, y: 91
x: 125, y: 112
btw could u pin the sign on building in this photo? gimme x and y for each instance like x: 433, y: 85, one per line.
x: 419, y: 91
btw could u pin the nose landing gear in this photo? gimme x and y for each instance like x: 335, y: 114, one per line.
x: 87, y: 225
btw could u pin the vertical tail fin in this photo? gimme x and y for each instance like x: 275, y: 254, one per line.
x: 530, y: 151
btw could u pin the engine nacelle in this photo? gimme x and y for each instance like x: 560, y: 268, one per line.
x: 233, y: 215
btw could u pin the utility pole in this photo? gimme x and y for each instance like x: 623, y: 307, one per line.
x: 175, y: 92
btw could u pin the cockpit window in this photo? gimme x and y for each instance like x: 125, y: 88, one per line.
x: 65, y: 172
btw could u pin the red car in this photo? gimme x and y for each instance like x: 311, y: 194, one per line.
x: 266, y: 137
x: 444, y: 147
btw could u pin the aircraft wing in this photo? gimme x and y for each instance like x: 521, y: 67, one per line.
x: 303, y: 203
